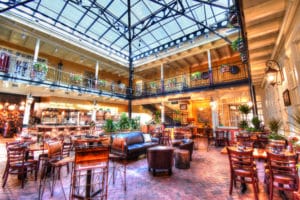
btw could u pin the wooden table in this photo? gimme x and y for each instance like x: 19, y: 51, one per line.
x: 257, y: 153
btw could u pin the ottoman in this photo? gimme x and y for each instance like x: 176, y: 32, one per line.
x: 182, y: 159
x: 160, y: 158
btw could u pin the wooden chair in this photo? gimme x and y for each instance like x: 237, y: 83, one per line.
x: 221, y: 138
x: 244, y: 140
x: 9, y: 144
x: 48, y: 169
x: 90, y: 173
x: 166, y: 137
x: 242, y: 169
x: 282, y: 173
x: 17, y: 163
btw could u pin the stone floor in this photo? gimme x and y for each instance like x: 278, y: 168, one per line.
x: 207, y: 178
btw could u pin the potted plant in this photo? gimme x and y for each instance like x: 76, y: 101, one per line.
x: 109, y: 126
x: 243, y: 124
x: 76, y: 78
x: 256, y: 124
x: 40, y: 69
x: 238, y: 45
x: 123, y: 123
x: 245, y: 110
x: 274, y: 137
x: 196, y: 76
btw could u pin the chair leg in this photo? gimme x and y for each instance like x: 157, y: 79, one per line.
x: 5, y: 171
x: 271, y: 191
x: 255, y: 190
x: 5, y: 179
x: 231, y: 184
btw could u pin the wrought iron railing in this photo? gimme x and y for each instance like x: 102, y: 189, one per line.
x: 26, y: 70
x: 218, y: 76
x: 23, y: 69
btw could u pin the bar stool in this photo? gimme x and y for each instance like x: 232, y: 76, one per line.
x: 119, y: 164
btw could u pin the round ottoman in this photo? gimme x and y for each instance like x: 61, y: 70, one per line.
x: 182, y: 159
x: 161, y: 158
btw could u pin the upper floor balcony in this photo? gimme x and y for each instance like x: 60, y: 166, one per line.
x: 20, y: 69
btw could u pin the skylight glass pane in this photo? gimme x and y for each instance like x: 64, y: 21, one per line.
x: 117, y: 8
x: 98, y: 28
x: 72, y: 13
x: 171, y: 27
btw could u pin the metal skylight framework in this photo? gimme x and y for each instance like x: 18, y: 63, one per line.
x: 156, y: 25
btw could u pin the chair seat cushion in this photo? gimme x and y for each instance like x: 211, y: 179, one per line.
x: 136, y: 147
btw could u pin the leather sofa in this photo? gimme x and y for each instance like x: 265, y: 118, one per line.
x: 186, y: 144
x: 132, y: 144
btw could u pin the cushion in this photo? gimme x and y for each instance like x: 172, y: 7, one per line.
x: 147, y: 137
x: 118, y: 143
x: 134, y: 138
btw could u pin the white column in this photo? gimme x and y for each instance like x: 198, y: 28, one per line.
x: 162, y: 112
x: 94, y: 111
x: 209, y: 59
x: 96, y: 73
x: 26, y: 116
x: 214, y: 114
x: 36, y: 50
x: 162, y: 78
x: 209, y: 66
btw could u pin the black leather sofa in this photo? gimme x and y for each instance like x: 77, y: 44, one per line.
x: 132, y: 144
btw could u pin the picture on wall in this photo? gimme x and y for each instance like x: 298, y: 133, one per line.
x: 286, y: 98
x: 183, y: 106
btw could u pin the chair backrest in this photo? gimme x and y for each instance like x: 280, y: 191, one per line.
x: 92, y: 155
x: 66, y: 149
x: 9, y: 144
x: 244, y: 140
x: 16, y: 154
x: 221, y: 134
x: 241, y: 159
x: 283, y: 164
x: 54, y: 149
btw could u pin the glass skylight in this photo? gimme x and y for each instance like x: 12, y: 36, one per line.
x: 155, y: 23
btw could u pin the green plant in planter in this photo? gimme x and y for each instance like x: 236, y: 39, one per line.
x: 276, y: 136
x: 76, y: 78
x: 274, y: 125
x: 196, y: 76
x: 40, y: 67
x: 244, y: 109
x: 109, y: 126
x: 243, y: 124
x: 152, y: 85
x: 256, y: 123
x: 124, y: 122
x: 238, y: 44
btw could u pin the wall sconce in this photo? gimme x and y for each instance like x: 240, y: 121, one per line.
x: 274, y: 74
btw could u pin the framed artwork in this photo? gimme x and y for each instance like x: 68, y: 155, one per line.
x: 286, y: 98
x: 183, y: 106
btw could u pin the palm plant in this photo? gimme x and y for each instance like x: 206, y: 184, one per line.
x: 244, y: 109
x: 274, y: 125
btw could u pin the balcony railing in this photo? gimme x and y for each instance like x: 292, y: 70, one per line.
x: 22, y: 69
x: 219, y: 76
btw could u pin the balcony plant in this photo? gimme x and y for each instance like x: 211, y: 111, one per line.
x: 238, y: 45
x: 196, y: 76
x: 76, y: 78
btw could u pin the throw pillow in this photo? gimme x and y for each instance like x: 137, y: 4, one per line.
x: 147, y: 137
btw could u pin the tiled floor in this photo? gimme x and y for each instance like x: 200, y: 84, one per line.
x: 207, y: 178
